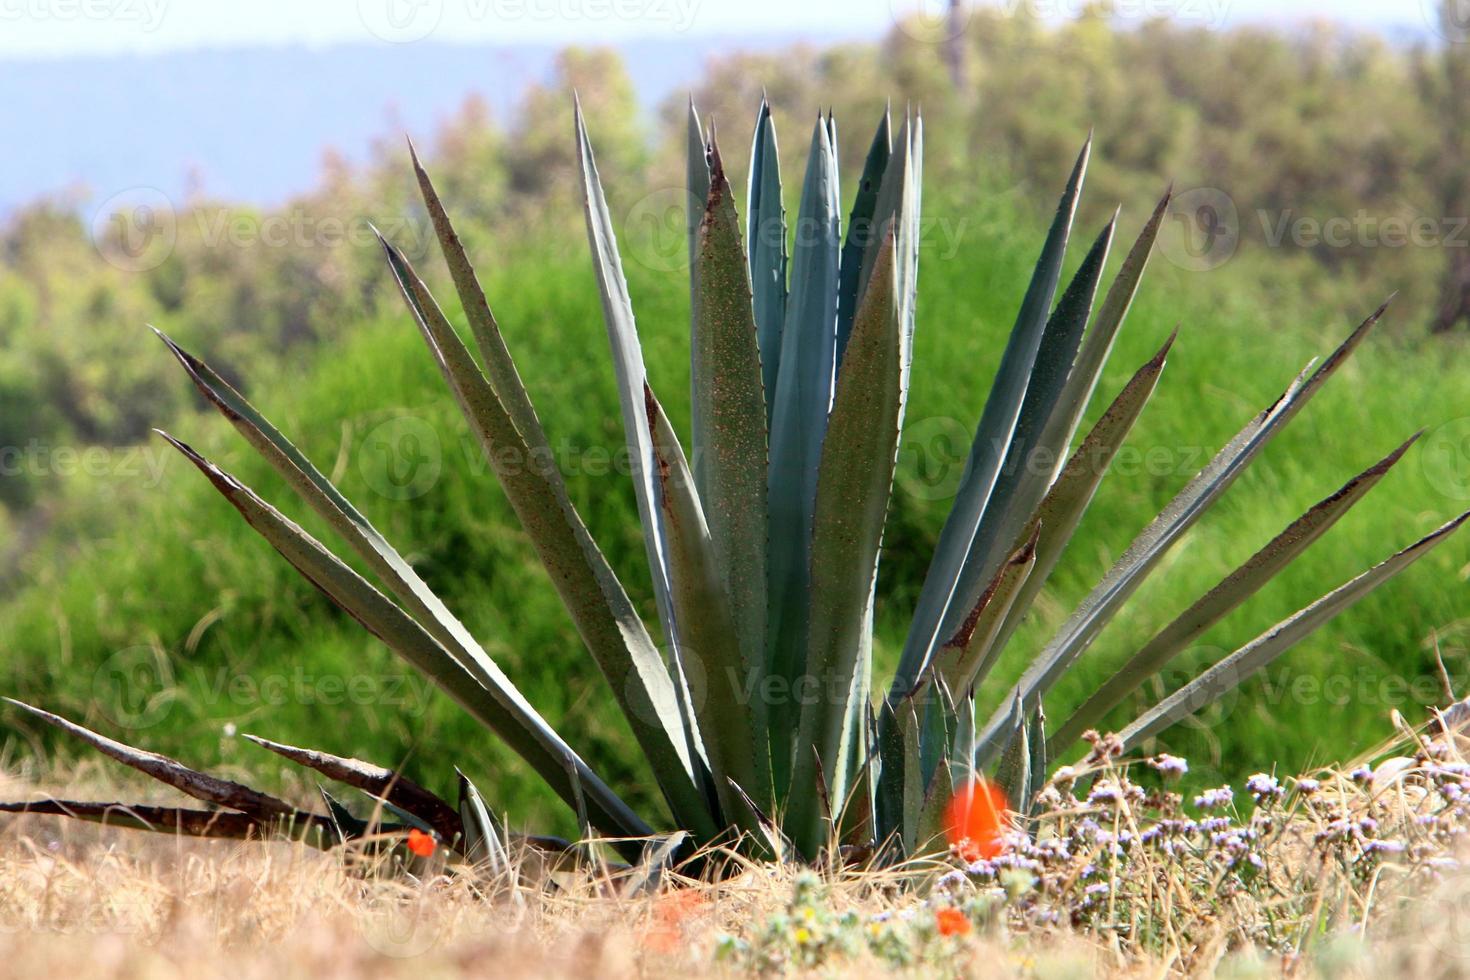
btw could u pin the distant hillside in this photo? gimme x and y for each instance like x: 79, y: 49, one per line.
x: 252, y: 122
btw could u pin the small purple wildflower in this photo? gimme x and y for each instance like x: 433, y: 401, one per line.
x: 1263, y: 787
x: 1213, y: 799
x: 1169, y: 766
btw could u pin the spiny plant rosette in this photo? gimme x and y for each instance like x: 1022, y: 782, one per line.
x: 757, y: 717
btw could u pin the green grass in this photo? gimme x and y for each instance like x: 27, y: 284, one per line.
x: 165, y: 581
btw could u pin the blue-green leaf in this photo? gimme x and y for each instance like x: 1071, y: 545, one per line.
x: 766, y: 243
x: 697, y: 171
x: 708, y: 639
x: 479, y: 686
x: 632, y: 381
x: 992, y: 439
x: 1093, y: 356
x: 485, y: 842
x: 853, y: 491
x: 1030, y: 464
x: 1061, y: 510
x: 798, y: 422
x: 697, y: 178
x: 1233, y: 590
x: 1260, y: 652
x: 1144, y: 554
x: 732, y: 444
x: 601, y: 609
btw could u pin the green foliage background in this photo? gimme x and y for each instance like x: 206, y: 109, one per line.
x: 146, y: 609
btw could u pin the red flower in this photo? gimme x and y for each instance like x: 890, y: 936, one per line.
x: 975, y: 821
x: 420, y: 843
x: 952, y: 922
x: 671, y: 911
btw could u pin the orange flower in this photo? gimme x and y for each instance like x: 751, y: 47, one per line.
x: 671, y: 911
x: 952, y: 922
x: 975, y: 821
x: 420, y: 843
x: 675, y: 907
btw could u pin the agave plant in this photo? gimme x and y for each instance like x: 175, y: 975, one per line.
x: 757, y: 715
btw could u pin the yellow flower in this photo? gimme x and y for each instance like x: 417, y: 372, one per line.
x: 803, y: 936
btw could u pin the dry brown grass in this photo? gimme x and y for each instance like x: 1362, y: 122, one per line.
x: 82, y: 901
x: 86, y: 901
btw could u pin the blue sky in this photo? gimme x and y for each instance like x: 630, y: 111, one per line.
x: 58, y: 27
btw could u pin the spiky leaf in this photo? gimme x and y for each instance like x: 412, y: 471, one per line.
x: 1233, y: 590
x: 851, y: 506
x: 993, y: 436
x: 1260, y: 652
